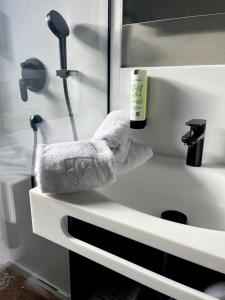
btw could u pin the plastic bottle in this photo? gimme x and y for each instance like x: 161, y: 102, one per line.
x: 138, y: 99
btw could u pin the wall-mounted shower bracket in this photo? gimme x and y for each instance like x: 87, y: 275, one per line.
x: 64, y: 73
x: 33, y: 77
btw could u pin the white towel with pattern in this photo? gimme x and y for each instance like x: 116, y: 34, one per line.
x: 74, y: 166
x: 83, y: 165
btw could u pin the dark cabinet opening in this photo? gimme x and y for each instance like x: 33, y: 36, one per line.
x: 92, y: 281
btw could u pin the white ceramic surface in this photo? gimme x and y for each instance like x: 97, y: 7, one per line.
x: 166, y: 183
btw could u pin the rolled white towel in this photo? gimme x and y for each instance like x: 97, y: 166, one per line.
x: 137, y: 154
x: 74, y: 166
x: 79, y: 166
x: 115, y: 131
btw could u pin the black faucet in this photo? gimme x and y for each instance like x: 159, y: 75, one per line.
x: 194, y: 139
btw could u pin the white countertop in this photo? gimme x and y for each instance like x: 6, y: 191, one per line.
x: 203, y: 246
x: 132, y: 208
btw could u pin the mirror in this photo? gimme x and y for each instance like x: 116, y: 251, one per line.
x: 173, y: 32
x: 150, y: 10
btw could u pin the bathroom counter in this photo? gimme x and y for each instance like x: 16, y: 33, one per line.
x: 98, y: 207
x: 202, y: 246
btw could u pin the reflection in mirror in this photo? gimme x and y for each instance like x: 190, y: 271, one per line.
x: 150, y: 10
x: 173, y: 33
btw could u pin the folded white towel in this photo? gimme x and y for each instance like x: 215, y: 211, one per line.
x: 74, y: 166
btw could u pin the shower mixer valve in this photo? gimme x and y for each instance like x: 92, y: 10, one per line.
x: 33, y: 77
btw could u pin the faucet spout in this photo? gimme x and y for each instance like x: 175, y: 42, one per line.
x: 194, y: 139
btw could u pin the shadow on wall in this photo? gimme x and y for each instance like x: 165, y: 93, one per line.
x: 46, y: 91
x: 92, y: 35
x: 218, y: 140
x: 93, y: 82
x: 96, y: 38
x: 6, y: 49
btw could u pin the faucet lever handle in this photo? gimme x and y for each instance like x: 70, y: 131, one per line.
x: 33, y: 77
x: 196, y: 123
x: 23, y: 89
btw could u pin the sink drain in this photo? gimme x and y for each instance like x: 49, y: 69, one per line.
x: 174, y: 216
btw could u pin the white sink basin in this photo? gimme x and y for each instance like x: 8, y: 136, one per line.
x: 132, y: 207
x: 169, y: 184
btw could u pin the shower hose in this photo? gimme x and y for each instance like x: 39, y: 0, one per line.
x: 73, y: 126
x: 69, y: 108
x: 33, y: 181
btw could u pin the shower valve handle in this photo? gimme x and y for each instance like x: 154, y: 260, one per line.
x: 33, y: 77
x: 23, y: 89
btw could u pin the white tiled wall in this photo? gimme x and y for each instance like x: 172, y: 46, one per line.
x: 176, y: 95
x: 24, y: 34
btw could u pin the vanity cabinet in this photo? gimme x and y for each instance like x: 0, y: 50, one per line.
x: 90, y: 280
x: 119, y: 249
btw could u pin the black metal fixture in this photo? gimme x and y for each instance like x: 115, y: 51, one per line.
x: 33, y: 77
x: 60, y: 29
x: 194, y: 139
x: 35, y: 120
x: 174, y: 216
